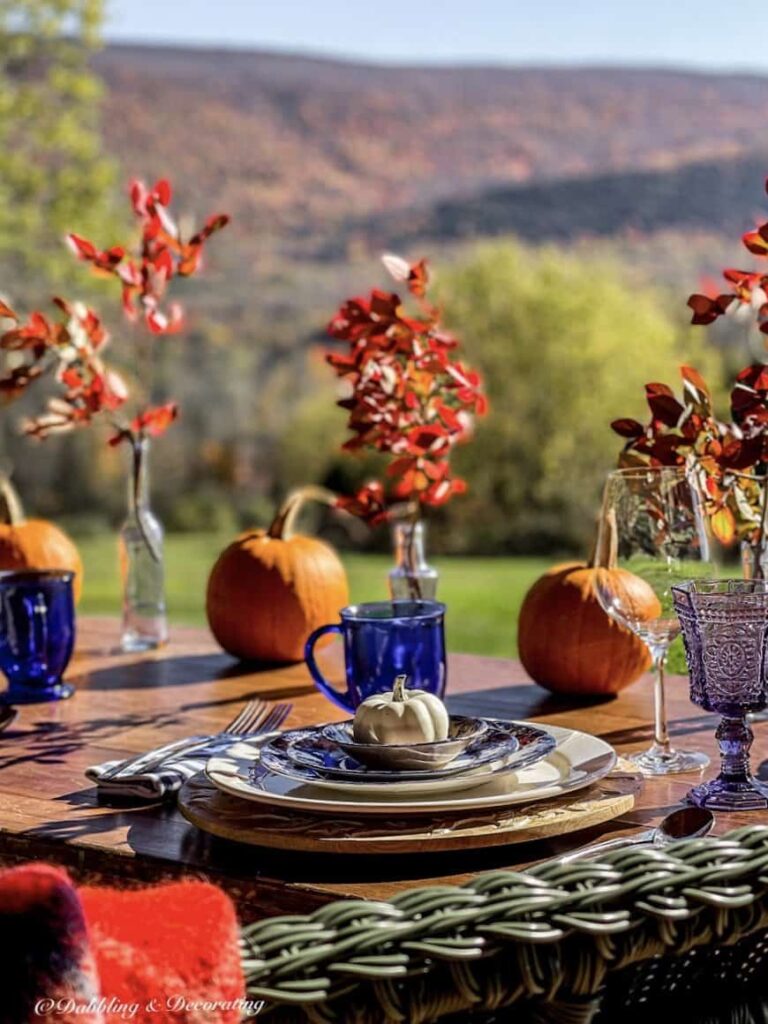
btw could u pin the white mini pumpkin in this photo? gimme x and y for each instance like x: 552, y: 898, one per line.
x: 402, y: 716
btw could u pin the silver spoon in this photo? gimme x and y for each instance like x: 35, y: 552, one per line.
x: 684, y: 823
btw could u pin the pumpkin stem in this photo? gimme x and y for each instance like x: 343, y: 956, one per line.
x: 14, y: 511
x: 605, y: 552
x: 282, y: 524
x: 398, y: 690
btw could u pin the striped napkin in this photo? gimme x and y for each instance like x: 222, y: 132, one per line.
x: 160, y: 783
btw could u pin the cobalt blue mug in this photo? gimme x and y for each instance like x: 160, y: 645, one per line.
x: 37, y: 634
x: 383, y: 640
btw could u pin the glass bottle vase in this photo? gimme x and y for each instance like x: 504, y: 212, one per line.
x: 754, y: 560
x: 412, y: 579
x: 142, y: 567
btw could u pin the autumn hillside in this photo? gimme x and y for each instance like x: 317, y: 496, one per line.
x: 312, y: 155
x: 632, y: 178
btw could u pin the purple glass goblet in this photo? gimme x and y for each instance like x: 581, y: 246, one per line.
x: 725, y: 628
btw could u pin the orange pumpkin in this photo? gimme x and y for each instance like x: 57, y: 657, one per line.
x: 34, y: 543
x: 566, y: 641
x: 270, y: 588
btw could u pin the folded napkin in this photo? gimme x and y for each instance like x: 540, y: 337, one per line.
x: 162, y: 780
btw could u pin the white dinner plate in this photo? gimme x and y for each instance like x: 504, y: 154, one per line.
x: 577, y: 761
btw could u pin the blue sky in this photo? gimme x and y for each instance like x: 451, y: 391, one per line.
x: 700, y: 33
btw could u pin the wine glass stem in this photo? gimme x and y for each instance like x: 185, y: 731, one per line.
x: 660, y: 729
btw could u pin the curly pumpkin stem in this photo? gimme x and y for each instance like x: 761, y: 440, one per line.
x: 283, y: 523
x: 605, y: 551
x: 14, y: 511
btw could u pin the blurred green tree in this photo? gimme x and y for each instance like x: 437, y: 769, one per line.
x: 566, y: 345
x: 53, y: 174
x: 54, y: 177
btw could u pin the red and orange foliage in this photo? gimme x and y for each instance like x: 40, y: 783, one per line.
x: 730, y: 456
x: 71, y: 347
x: 410, y: 398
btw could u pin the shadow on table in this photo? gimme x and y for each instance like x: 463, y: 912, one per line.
x: 191, y: 670
x: 528, y: 701
x: 518, y: 700
x: 678, y: 727
x: 110, y: 818
x: 50, y: 743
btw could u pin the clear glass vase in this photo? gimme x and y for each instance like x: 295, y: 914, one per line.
x: 142, y: 567
x: 412, y: 579
x: 754, y: 560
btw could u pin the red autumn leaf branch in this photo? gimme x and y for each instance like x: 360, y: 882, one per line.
x: 727, y: 455
x: 71, y: 347
x: 731, y: 457
x: 747, y: 289
x: 409, y: 399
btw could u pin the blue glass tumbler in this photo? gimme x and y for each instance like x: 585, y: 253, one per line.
x: 383, y: 640
x: 37, y: 634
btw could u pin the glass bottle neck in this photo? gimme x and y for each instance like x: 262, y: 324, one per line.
x: 754, y: 560
x: 138, y: 482
x: 408, y: 541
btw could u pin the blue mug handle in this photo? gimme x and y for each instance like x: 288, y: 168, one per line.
x: 37, y: 612
x: 340, y: 699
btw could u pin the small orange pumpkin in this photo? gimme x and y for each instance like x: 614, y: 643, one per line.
x: 35, y: 543
x: 568, y: 644
x: 270, y: 588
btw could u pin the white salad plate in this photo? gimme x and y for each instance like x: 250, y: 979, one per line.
x: 576, y: 761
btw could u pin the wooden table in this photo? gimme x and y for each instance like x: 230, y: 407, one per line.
x: 127, y: 703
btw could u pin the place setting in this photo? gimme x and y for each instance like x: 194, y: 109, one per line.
x: 402, y: 773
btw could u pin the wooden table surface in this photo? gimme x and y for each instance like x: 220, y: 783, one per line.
x: 127, y: 703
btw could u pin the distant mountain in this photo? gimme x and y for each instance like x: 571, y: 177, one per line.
x: 312, y: 154
x: 712, y: 195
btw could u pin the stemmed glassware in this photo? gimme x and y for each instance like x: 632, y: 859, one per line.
x: 654, y: 530
x: 725, y: 627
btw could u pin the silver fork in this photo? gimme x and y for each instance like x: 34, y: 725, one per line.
x: 255, y: 719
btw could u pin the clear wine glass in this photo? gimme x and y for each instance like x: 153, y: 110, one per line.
x: 653, y: 527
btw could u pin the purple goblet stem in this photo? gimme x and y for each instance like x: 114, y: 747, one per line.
x: 734, y: 737
x: 734, y: 789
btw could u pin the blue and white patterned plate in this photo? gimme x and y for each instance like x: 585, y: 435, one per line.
x: 306, y: 755
x: 316, y: 748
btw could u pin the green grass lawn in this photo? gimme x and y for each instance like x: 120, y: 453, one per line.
x: 483, y: 594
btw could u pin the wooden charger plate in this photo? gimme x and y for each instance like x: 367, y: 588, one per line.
x: 231, y: 818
